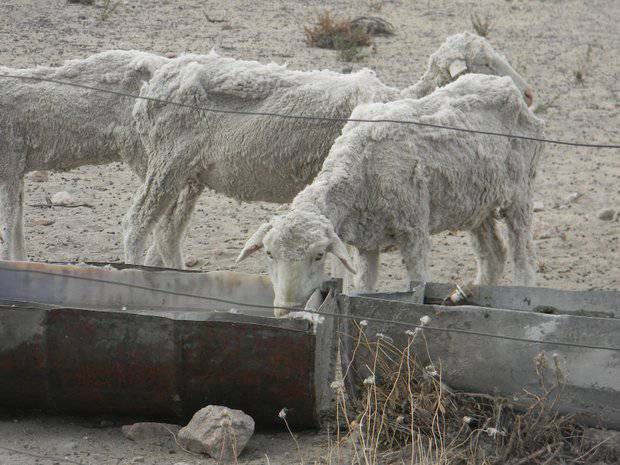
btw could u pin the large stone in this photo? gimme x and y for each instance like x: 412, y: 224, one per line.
x: 150, y: 432
x: 217, y: 431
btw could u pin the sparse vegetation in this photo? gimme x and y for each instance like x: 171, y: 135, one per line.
x: 108, y: 7
x: 578, y: 74
x: 336, y: 34
x: 406, y: 414
x: 542, y: 107
x: 348, y: 52
x: 482, y: 26
x: 346, y: 36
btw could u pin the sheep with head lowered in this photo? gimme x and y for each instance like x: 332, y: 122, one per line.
x: 389, y: 184
x: 50, y: 126
x: 250, y: 157
x: 460, y: 54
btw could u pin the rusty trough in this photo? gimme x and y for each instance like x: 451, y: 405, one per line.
x: 75, y: 344
x: 87, y: 347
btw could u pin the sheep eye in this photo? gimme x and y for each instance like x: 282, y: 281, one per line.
x: 319, y: 257
x: 269, y: 254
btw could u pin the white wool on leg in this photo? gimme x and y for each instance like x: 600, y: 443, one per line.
x: 11, y: 219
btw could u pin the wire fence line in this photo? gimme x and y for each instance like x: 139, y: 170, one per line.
x: 319, y: 313
x: 307, y: 117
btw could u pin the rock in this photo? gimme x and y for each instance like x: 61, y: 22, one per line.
x: 573, y: 197
x: 149, y: 432
x: 218, y: 431
x: 39, y: 176
x: 606, y: 214
x: 191, y: 262
x: 62, y: 198
x: 538, y: 206
x: 138, y: 459
x: 42, y: 222
x: 171, y: 55
x: 592, y: 437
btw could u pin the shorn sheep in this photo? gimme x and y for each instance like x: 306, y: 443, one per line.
x: 48, y: 126
x: 256, y: 157
x: 387, y: 184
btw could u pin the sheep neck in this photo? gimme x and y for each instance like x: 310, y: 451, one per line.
x: 418, y: 90
x: 330, y: 195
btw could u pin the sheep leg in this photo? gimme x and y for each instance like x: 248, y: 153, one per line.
x: 153, y: 257
x: 150, y: 203
x: 169, y: 232
x: 367, y: 271
x: 415, y: 251
x: 12, y: 219
x: 522, y: 248
x: 490, y: 250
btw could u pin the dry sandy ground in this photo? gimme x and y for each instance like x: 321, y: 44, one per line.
x: 548, y: 41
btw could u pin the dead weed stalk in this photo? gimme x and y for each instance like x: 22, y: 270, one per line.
x: 405, y: 414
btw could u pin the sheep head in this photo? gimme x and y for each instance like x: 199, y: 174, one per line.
x: 296, y: 245
x: 470, y: 53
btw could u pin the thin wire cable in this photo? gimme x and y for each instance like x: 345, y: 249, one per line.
x: 323, y: 313
x: 307, y: 117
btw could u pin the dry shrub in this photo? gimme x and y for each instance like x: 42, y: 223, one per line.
x: 481, y: 25
x: 406, y: 414
x: 336, y: 34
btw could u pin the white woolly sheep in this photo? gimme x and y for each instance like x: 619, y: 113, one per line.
x: 254, y: 157
x: 460, y: 54
x: 49, y: 126
x: 388, y: 184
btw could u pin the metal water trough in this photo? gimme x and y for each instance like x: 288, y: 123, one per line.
x: 476, y: 363
x: 79, y: 345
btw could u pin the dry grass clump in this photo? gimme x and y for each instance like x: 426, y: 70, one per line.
x: 482, y: 26
x: 405, y: 414
x: 331, y: 33
x: 346, y: 35
x: 108, y: 7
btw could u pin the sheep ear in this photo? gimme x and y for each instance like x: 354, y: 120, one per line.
x: 338, y: 248
x: 255, y: 242
x: 457, y: 67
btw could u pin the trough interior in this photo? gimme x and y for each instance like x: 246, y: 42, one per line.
x: 129, y: 289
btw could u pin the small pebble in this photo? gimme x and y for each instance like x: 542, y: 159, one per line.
x: 606, y: 214
x: 138, y: 459
x: 538, y: 206
x: 171, y: 55
x: 573, y: 197
x: 39, y: 176
x: 42, y: 222
x: 62, y: 198
x: 191, y: 262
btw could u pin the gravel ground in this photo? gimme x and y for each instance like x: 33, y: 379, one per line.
x: 548, y: 41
